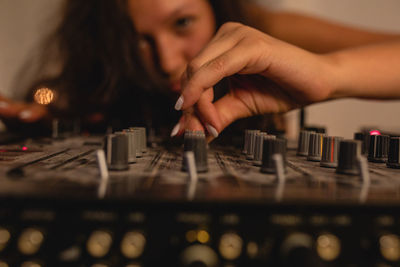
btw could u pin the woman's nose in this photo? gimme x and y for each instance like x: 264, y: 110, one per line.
x: 171, y: 55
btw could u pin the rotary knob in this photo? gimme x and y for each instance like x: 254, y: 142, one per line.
x: 99, y: 243
x: 199, y: 255
x: 315, y: 147
x: 132, y: 145
x: 378, y: 148
x: 270, y: 148
x: 142, y: 142
x: 116, y: 148
x: 247, y: 139
x: 30, y: 241
x: 259, y: 147
x: 304, y: 143
x: 349, y: 152
x: 133, y: 244
x: 251, y: 144
x: 364, y: 138
x: 196, y: 141
x: 394, y: 153
x: 330, y: 149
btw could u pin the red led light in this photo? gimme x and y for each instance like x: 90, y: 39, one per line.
x: 375, y: 132
x: 24, y: 148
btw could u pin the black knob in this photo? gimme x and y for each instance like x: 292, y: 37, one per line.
x: 364, y: 138
x: 394, y: 153
x: 116, y: 148
x: 315, y: 147
x: 270, y: 148
x: 304, y: 143
x: 259, y: 147
x: 349, y: 152
x: 316, y: 129
x: 378, y: 148
x: 330, y: 149
x: 196, y: 141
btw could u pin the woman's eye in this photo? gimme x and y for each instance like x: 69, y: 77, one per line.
x: 184, y: 22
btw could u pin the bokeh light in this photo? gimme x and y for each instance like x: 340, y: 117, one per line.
x: 43, y: 96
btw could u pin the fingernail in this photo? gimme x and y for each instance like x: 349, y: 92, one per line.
x: 26, y: 114
x: 3, y: 104
x: 212, y: 130
x: 179, y: 103
x: 175, y: 130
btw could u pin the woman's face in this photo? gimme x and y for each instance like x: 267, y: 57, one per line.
x: 172, y: 32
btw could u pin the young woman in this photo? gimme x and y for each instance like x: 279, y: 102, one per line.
x: 120, y: 62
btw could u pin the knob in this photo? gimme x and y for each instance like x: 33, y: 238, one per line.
x: 132, y: 244
x: 328, y: 247
x: 349, y: 152
x: 315, y: 147
x: 247, y: 139
x: 142, y: 138
x: 199, y: 255
x: 378, y: 148
x: 230, y: 246
x: 132, y: 145
x: 116, y: 147
x: 259, y: 147
x: 389, y: 246
x: 330, y: 149
x: 364, y: 138
x: 317, y: 129
x: 4, y: 238
x: 30, y: 241
x: 304, y: 143
x: 394, y: 153
x: 99, y: 243
x: 196, y: 141
x: 271, y: 147
x: 251, y: 144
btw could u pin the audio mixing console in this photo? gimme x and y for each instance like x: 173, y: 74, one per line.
x: 59, y: 207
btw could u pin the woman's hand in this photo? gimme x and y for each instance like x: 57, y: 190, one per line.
x: 266, y: 76
x: 12, y: 112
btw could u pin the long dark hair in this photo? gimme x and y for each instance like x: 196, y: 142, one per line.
x: 100, y: 66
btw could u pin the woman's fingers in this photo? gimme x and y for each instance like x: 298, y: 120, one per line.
x: 239, y: 59
x: 21, y: 111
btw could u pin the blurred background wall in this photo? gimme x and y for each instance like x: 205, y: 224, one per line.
x: 23, y: 23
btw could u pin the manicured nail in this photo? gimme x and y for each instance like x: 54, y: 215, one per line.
x: 179, y: 103
x: 175, y: 130
x: 3, y: 104
x: 26, y: 114
x: 212, y: 130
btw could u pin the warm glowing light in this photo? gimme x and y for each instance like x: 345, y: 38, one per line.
x: 43, y: 96
x: 375, y: 132
x: 203, y: 236
x: 191, y: 236
x: 24, y: 148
